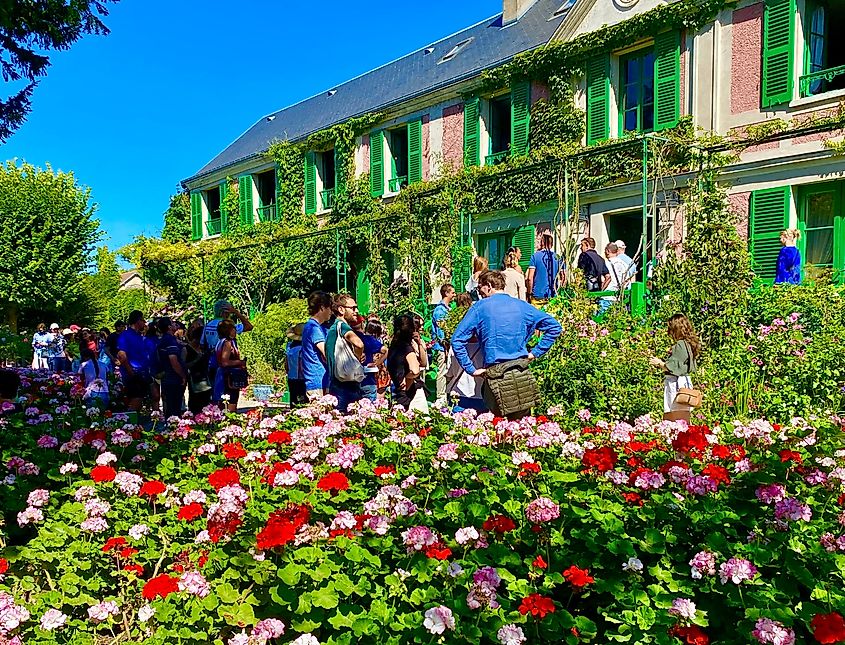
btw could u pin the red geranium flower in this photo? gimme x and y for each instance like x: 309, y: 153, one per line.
x: 691, y: 439
x: 152, y: 488
x: 499, y: 524
x: 424, y: 432
x: 224, y: 477
x: 537, y: 605
x: 190, y: 512
x: 720, y: 452
x: 578, y: 577
x: 234, y: 450
x: 381, y: 471
x: 542, y: 419
x: 128, y: 552
x: 828, y: 628
x: 279, y: 436
x: 790, y: 455
x: 539, y: 562
x: 633, y: 498
x: 137, y: 569
x: 438, y: 551
x: 162, y: 585
x: 270, y: 472
x: 333, y: 482
x: 528, y: 468
x: 841, y: 500
x: 103, y: 473
x: 719, y: 473
x: 114, y: 543
x: 690, y: 635
x: 602, y: 459
x: 4, y: 566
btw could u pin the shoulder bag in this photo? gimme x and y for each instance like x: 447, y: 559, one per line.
x: 686, y: 395
x: 510, y: 389
x: 347, y: 367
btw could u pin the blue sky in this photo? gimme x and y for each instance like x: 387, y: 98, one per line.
x: 176, y: 81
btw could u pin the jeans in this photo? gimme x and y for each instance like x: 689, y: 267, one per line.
x: 369, y: 392
x: 56, y: 363
x: 345, y: 393
x: 173, y: 395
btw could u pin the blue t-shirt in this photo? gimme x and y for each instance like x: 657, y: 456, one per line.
x: 437, y: 316
x: 293, y: 353
x: 546, y: 267
x: 135, y: 347
x: 168, y: 346
x: 313, y: 367
x: 789, y: 266
x: 372, y: 346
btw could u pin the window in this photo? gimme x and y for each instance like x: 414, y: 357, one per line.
x: 824, y: 55
x: 214, y: 225
x: 398, y: 142
x: 636, y: 96
x: 822, y: 223
x: 266, y: 184
x: 493, y: 246
x: 457, y: 49
x: 326, y: 169
x: 499, y: 129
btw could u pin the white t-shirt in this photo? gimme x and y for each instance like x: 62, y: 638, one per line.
x: 93, y: 383
x: 618, y: 270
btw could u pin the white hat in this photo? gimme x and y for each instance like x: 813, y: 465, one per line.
x: 54, y: 326
x: 620, y: 244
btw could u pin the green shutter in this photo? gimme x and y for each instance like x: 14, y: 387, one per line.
x: 310, y: 183
x: 778, y: 51
x: 377, y: 164
x: 362, y: 288
x: 525, y: 238
x: 471, y: 128
x: 520, y: 117
x: 667, y: 79
x: 415, y: 144
x: 196, y: 215
x: 245, y: 203
x: 224, y: 214
x: 598, y: 98
x: 339, y: 174
x: 769, y: 217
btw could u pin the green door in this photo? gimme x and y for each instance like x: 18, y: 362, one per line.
x: 820, y: 220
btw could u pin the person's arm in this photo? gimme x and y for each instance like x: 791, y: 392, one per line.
x: 177, y: 367
x: 550, y: 329
x: 225, y: 355
x: 414, y: 369
x: 419, y: 348
x: 380, y: 356
x: 357, y: 345
x: 605, y: 281
x: 460, y: 337
x: 247, y: 325
x: 321, y: 347
x: 529, y: 280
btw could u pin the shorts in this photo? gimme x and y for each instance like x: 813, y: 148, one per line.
x: 136, y: 386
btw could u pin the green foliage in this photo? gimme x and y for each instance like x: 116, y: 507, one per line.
x: 177, y: 219
x: 264, y: 346
x: 47, y: 234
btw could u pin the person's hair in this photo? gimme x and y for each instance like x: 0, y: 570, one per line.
x: 792, y: 233
x: 41, y: 327
x: 445, y: 289
x: 340, y: 300
x: 403, y: 330
x: 374, y: 328
x: 493, y: 279
x: 317, y: 300
x: 10, y: 381
x: 224, y: 329
x: 195, y: 333
x: 611, y: 248
x: 152, y: 329
x: 590, y: 242
x: 119, y: 323
x: 134, y: 317
x: 680, y: 328
x: 105, y: 330
x: 85, y: 354
x: 479, y: 263
x: 464, y: 299
x: 510, y: 261
x: 163, y: 324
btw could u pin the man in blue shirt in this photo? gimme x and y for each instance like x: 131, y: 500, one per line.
x: 543, y: 270
x: 134, y: 361
x: 441, y: 310
x: 170, y: 361
x: 313, y: 353
x: 503, y: 326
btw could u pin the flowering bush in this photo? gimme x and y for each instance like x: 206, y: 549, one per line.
x: 309, y: 527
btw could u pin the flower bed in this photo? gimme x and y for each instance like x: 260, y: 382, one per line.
x: 310, y: 528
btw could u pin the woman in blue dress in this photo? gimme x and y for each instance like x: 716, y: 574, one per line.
x: 789, y: 258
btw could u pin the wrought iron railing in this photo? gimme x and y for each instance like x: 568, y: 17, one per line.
x: 397, y: 183
x: 214, y: 226
x: 496, y: 158
x: 818, y: 78
x: 266, y: 213
x: 327, y: 197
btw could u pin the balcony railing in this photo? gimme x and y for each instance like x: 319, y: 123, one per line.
x: 396, y: 184
x: 327, y: 197
x: 496, y: 158
x: 817, y: 79
x: 214, y: 226
x: 266, y: 213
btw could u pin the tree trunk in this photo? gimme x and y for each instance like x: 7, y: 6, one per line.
x: 12, y: 316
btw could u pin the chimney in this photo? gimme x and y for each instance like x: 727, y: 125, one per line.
x: 514, y: 10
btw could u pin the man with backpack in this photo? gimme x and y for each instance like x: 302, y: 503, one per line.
x: 345, y: 376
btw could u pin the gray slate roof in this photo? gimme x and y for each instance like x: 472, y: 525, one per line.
x: 410, y: 76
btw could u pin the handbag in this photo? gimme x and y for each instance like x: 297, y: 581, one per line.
x: 347, y: 367
x: 688, y: 396
x: 236, y: 378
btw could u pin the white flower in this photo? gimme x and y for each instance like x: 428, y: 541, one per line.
x: 138, y: 531
x: 305, y: 639
x: 466, y: 535
x: 439, y: 619
x: 52, y: 619
x: 68, y: 468
x: 511, y: 635
x: 106, y: 458
x: 633, y: 564
x: 683, y: 608
x: 145, y: 613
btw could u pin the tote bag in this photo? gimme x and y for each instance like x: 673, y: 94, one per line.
x: 347, y: 367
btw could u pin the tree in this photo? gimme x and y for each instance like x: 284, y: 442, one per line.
x: 30, y: 26
x: 47, y: 234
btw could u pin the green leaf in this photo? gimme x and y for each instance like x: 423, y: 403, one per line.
x: 325, y: 597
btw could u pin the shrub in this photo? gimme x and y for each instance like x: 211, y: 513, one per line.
x: 264, y: 346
